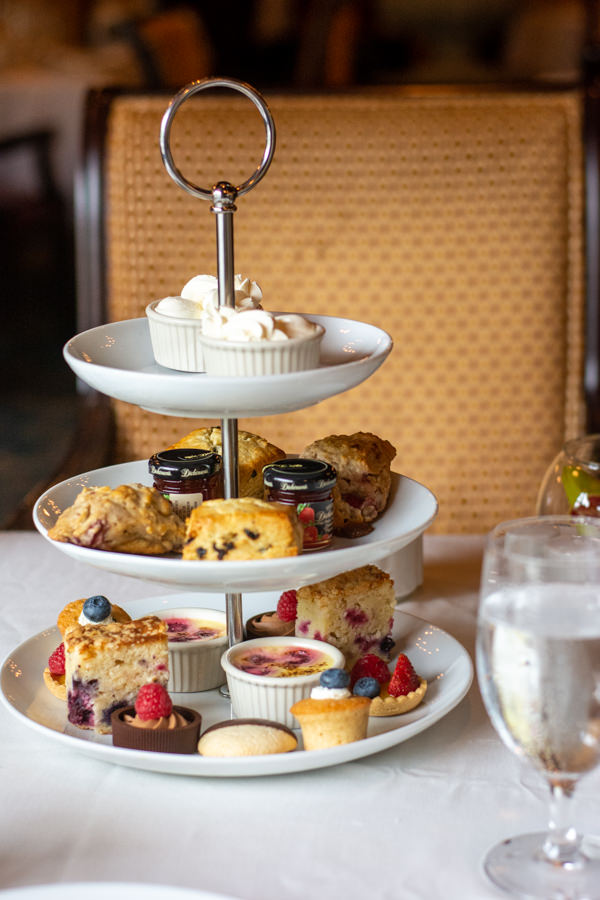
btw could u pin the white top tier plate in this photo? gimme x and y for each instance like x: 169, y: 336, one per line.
x: 411, y: 509
x: 117, y: 360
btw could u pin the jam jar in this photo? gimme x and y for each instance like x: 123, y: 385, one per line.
x: 186, y: 477
x: 307, y: 485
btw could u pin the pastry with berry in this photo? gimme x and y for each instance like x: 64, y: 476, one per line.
x: 95, y: 610
x: 154, y: 724
x: 402, y: 692
x: 54, y: 673
x: 278, y: 622
x: 332, y: 716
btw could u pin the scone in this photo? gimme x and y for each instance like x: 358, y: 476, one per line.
x: 131, y: 518
x: 254, y: 452
x: 242, y: 528
x: 362, y: 461
x: 106, y: 665
x: 353, y: 611
x: 69, y: 615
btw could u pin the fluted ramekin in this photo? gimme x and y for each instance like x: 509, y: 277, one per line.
x: 241, y: 358
x: 268, y: 697
x: 195, y: 665
x: 175, y: 340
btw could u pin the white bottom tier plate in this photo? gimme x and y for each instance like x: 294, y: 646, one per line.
x: 436, y: 656
x: 411, y: 509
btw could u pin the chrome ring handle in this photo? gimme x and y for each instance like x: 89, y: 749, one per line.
x: 167, y: 120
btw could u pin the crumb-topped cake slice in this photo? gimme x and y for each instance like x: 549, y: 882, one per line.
x: 242, y: 528
x: 105, y: 666
x: 353, y: 611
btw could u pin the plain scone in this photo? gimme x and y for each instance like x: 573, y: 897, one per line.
x: 242, y: 528
x: 362, y: 462
x: 131, y: 518
x: 254, y: 452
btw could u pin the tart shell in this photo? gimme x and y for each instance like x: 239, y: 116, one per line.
x: 386, y: 705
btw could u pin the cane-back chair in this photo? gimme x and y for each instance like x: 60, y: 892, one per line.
x: 452, y: 218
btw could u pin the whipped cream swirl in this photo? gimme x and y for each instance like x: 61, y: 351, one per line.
x: 255, y: 325
x: 200, y: 296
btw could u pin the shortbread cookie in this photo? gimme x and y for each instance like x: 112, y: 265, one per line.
x: 353, y: 611
x: 131, y: 518
x: 242, y: 528
x: 362, y: 462
x: 105, y: 666
x: 69, y: 615
x: 386, y: 705
x: 247, y: 737
x: 254, y: 452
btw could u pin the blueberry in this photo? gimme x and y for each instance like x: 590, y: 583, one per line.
x: 387, y: 644
x: 367, y: 687
x: 334, y: 678
x: 96, y: 609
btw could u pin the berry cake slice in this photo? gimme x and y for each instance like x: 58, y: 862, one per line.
x: 353, y: 611
x: 105, y: 666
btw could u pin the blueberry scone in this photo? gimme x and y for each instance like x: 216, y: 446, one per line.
x: 362, y: 462
x: 242, y: 528
x: 106, y: 665
x: 254, y: 452
x: 131, y: 518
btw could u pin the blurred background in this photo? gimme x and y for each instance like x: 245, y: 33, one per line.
x: 53, y: 51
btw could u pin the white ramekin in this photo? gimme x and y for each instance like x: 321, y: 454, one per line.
x: 175, y: 340
x: 223, y: 357
x: 265, y: 697
x: 195, y: 665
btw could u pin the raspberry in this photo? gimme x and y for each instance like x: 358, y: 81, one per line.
x: 405, y: 679
x: 286, y: 607
x: 56, y: 663
x: 369, y: 666
x: 153, y: 702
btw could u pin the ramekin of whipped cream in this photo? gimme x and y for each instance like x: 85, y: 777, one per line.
x: 176, y: 322
x: 256, y: 342
x: 266, y: 676
x: 197, y: 638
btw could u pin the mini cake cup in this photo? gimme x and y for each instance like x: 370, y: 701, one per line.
x: 261, y: 357
x: 175, y: 340
x: 177, y: 740
x: 195, y: 665
x: 268, y: 697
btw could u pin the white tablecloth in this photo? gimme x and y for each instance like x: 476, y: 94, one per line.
x: 412, y: 822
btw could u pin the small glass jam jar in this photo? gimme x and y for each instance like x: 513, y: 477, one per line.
x: 306, y: 484
x: 186, y: 477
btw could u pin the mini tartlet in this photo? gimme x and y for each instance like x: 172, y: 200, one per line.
x: 154, y: 724
x: 195, y: 662
x: 271, y: 696
x: 386, y: 705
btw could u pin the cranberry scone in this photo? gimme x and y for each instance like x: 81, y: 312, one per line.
x: 362, y: 462
x: 131, y: 518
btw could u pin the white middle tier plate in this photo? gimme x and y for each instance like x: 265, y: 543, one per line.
x: 117, y: 360
x: 411, y: 509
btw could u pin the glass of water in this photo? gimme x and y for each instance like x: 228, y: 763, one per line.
x: 538, y: 664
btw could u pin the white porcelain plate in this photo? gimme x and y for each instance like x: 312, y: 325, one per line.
x: 436, y: 656
x: 117, y: 360
x: 100, y: 890
x: 411, y: 509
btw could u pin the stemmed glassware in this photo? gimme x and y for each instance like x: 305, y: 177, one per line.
x: 538, y: 664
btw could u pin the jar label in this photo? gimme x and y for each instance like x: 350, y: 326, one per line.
x: 316, y: 518
x: 183, y: 504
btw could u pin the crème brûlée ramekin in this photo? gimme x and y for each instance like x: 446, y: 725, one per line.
x: 271, y: 696
x: 261, y: 357
x: 195, y: 663
x: 175, y: 340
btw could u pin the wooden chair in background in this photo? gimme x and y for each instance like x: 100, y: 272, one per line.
x: 452, y: 218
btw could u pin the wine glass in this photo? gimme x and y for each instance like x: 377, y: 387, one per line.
x: 538, y: 664
x: 572, y: 480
